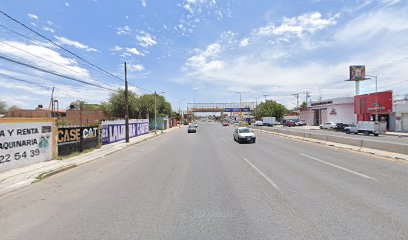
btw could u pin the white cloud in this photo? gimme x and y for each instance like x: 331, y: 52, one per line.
x: 33, y: 16
x: 143, y: 2
x: 244, y: 42
x: 67, y: 4
x: 116, y: 49
x: 27, y: 94
x: 135, y: 67
x: 205, y: 60
x: 145, y: 39
x: 48, y: 29
x: 124, y: 30
x: 76, y: 44
x: 305, y: 23
x: 378, y: 23
x: 134, y: 51
x: 284, y: 65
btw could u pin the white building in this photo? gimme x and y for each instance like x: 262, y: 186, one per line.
x: 401, y: 115
x: 337, y: 110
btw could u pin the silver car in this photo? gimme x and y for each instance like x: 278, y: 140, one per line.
x: 328, y: 125
x: 244, y: 134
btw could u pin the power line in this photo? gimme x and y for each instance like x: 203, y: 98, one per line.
x: 59, y: 65
x: 65, y: 49
x: 25, y: 81
x: 54, y: 73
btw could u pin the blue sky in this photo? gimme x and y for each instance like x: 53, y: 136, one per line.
x: 204, y: 49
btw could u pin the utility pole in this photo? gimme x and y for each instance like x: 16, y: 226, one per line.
x: 51, y: 105
x: 126, y: 106
x: 297, y: 99
x: 307, y: 96
x: 265, y: 95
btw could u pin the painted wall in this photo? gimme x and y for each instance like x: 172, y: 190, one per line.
x: 114, y: 131
x: 24, y: 141
x: 401, y: 116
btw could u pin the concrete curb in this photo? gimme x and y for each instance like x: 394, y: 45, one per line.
x: 13, y: 180
x: 357, y: 148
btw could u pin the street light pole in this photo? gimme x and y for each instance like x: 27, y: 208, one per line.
x: 376, y: 97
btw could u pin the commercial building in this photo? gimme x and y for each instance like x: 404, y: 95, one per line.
x: 368, y: 105
x: 337, y: 110
x: 399, y: 118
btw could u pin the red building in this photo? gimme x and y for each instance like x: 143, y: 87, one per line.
x: 365, y: 106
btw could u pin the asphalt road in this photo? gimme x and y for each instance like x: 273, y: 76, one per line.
x: 380, y: 138
x: 206, y: 186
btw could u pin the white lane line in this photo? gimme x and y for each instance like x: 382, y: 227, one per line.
x: 336, y: 166
x: 262, y: 174
x: 223, y: 139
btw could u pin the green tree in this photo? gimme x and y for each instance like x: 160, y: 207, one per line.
x: 115, y: 106
x: 270, y: 108
x: 303, y: 106
x: 3, y: 107
x: 146, y: 105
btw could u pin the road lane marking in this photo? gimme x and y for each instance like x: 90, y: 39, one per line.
x: 339, y: 167
x: 262, y: 174
x: 223, y: 139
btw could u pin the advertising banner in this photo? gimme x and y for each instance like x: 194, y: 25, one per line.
x: 26, y: 142
x: 114, y: 131
x: 76, y: 139
x: 237, y: 109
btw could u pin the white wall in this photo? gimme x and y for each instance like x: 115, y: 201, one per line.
x: 400, y: 107
x: 344, y: 113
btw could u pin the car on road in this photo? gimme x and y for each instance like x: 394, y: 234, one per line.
x: 225, y: 124
x: 195, y: 124
x: 259, y: 123
x: 340, y: 127
x: 328, y: 125
x: 244, y: 134
x: 290, y: 123
x: 300, y: 123
x: 191, y: 129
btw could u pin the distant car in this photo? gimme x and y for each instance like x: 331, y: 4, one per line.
x: 290, y: 123
x: 244, y: 134
x: 340, y: 127
x: 300, y: 123
x: 259, y: 123
x: 191, y: 129
x: 328, y: 125
x: 225, y: 124
x: 195, y: 124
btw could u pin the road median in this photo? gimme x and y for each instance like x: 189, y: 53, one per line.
x: 384, y: 149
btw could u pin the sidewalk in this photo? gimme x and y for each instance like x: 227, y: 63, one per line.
x: 21, y: 177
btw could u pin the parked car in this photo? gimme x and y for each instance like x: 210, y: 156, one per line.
x: 290, y: 123
x: 244, y: 134
x: 300, y: 123
x: 225, y: 124
x: 259, y: 123
x: 328, y: 125
x: 340, y: 127
x: 191, y: 129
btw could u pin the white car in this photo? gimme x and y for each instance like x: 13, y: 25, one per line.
x: 328, y: 125
x: 259, y: 123
x: 244, y: 134
x: 195, y: 124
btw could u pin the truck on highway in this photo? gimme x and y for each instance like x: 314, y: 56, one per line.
x: 269, y: 121
x: 367, y: 128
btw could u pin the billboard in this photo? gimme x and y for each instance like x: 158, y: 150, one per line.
x: 23, y: 143
x: 357, y: 72
x: 76, y: 139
